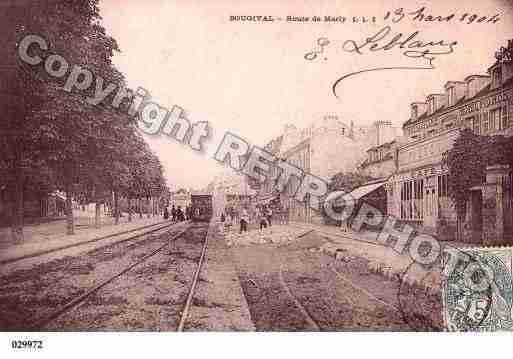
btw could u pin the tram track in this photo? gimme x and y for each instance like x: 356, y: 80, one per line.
x: 66, y: 316
x: 42, y: 322
x: 310, y: 291
x: 190, y: 295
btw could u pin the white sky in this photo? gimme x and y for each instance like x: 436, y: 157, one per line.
x: 251, y: 78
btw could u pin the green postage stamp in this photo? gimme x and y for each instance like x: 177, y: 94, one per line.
x: 477, y: 289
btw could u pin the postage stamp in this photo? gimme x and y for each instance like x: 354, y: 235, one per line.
x: 477, y: 294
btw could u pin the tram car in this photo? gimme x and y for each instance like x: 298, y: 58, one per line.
x: 201, y: 205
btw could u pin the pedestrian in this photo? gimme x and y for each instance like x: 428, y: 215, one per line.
x: 244, y: 219
x: 166, y: 213
x: 173, y: 213
x: 179, y: 214
x: 269, y: 215
x: 261, y: 217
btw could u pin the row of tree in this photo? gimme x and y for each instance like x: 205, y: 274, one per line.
x: 53, y: 139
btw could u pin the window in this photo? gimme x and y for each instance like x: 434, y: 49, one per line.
x: 486, y: 126
x: 412, y: 194
x: 414, y: 111
x: 443, y: 185
x: 431, y: 105
x: 451, y: 96
x: 504, y: 119
x: 495, y: 119
x: 476, y: 125
x: 497, y: 76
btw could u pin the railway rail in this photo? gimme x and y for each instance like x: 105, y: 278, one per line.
x: 159, y: 226
x: 190, y: 295
x: 328, y: 234
x: 309, y: 318
x: 49, y: 318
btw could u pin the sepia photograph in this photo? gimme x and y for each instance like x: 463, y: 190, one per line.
x: 269, y: 167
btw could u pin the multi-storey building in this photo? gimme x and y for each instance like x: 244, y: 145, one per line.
x: 181, y: 197
x: 418, y: 192
x: 381, y: 161
x: 323, y: 149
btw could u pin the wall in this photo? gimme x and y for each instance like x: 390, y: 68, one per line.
x: 379, y: 169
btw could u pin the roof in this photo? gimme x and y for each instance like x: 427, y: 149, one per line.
x: 366, y: 189
x: 386, y: 144
x: 485, y: 90
x: 362, y: 191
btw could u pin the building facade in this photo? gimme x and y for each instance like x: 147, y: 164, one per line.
x: 381, y: 161
x: 180, y: 198
x: 418, y: 193
x: 328, y: 146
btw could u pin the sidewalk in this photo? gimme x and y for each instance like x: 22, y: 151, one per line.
x: 382, y: 259
x: 57, y: 227
x: 50, y: 236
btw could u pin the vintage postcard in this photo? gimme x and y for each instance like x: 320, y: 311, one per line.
x: 255, y: 166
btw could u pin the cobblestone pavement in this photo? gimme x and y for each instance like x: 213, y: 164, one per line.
x: 292, y: 286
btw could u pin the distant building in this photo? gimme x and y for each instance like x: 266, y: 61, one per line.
x: 231, y: 192
x: 34, y: 207
x: 381, y: 161
x: 325, y: 148
x: 181, y: 197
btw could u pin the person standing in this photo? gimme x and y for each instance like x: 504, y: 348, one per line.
x: 173, y: 213
x: 244, y: 219
x: 166, y: 213
x: 179, y: 214
x: 261, y: 217
x: 269, y: 215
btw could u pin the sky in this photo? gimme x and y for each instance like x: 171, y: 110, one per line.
x: 251, y: 78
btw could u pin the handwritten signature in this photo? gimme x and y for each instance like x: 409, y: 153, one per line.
x: 381, y: 41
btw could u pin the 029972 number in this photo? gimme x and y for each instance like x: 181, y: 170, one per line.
x: 27, y: 344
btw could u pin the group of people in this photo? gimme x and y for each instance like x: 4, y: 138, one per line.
x: 263, y: 215
x: 177, y: 214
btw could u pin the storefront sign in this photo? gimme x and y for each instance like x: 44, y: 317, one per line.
x: 487, y: 102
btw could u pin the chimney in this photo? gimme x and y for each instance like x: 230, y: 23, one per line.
x: 454, y: 91
x: 289, y: 128
x: 435, y: 101
x: 417, y: 109
x: 502, y: 70
x: 475, y: 83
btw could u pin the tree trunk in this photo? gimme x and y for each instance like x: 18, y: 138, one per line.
x: 97, y: 215
x: 148, y: 207
x: 116, y: 207
x: 70, y: 224
x: 140, y: 207
x: 17, y: 213
x: 129, y: 200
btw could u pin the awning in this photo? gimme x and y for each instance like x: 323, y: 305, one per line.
x: 265, y: 200
x: 59, y: 195
x: 360, y: 192
x: 366, y: 189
